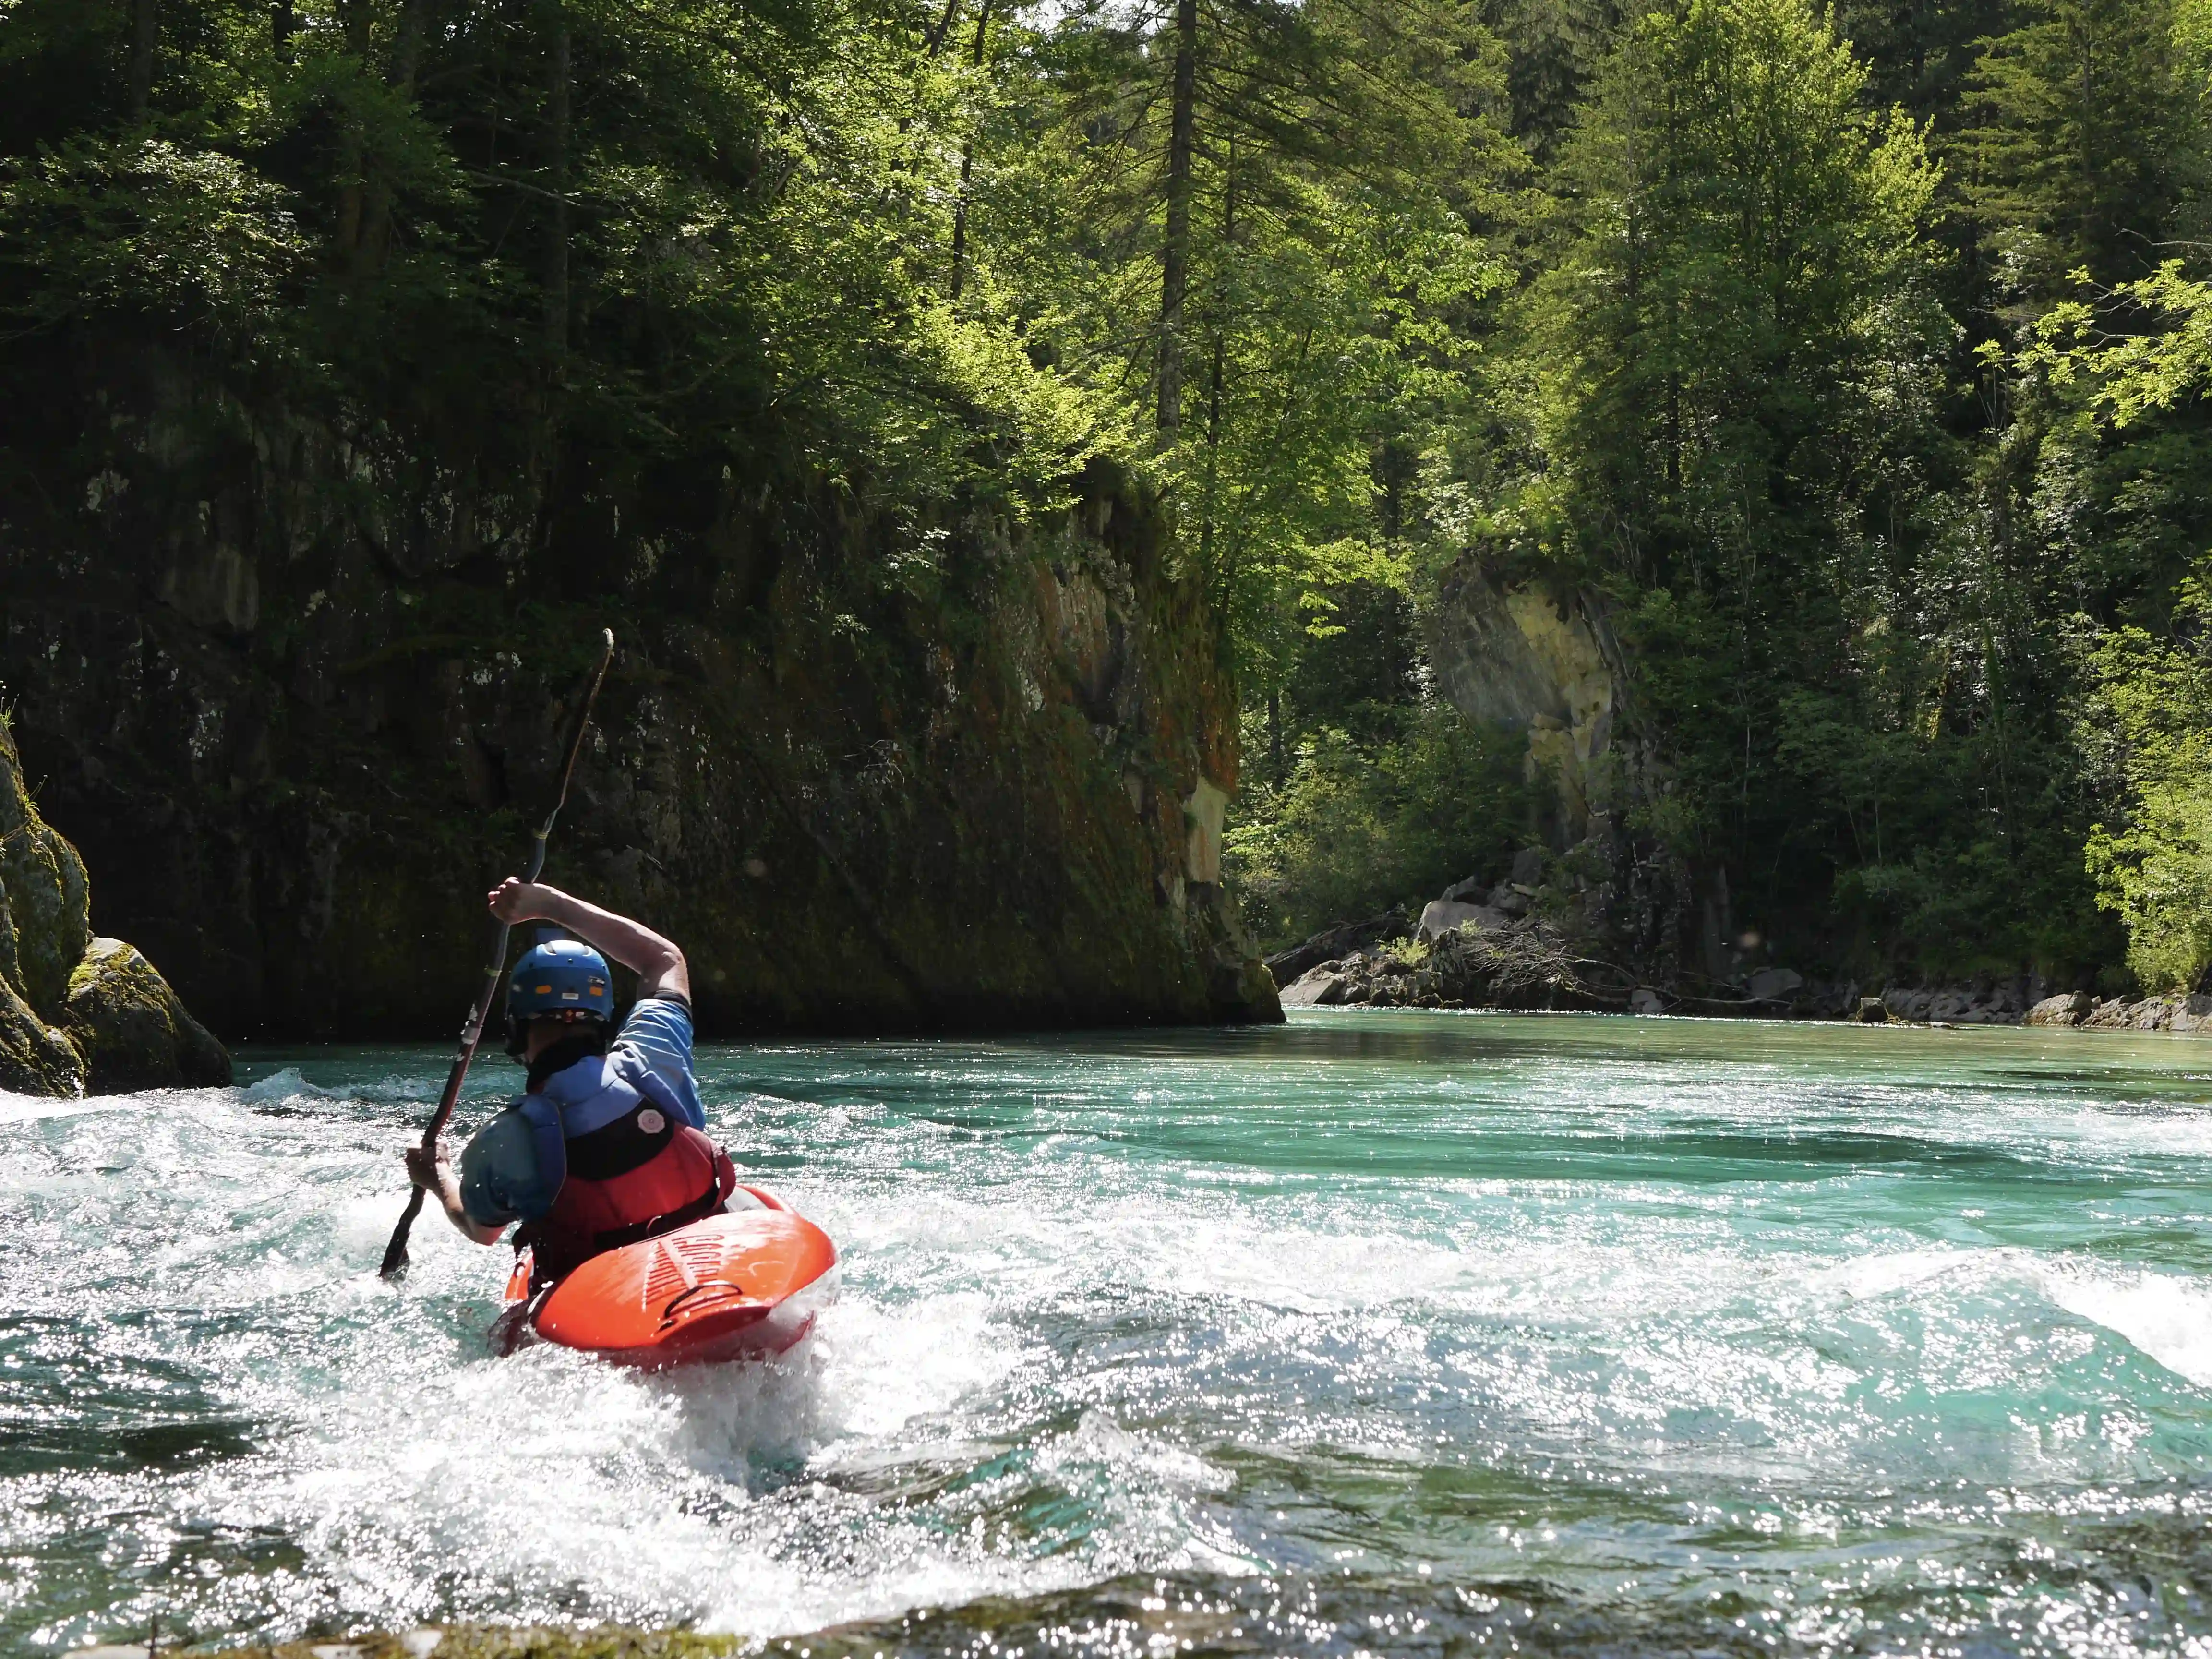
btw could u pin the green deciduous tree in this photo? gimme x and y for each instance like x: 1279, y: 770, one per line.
x: 553, y: 238
x: 2150, y: 721
x: 2125, y: 497
x: 1248, y: 223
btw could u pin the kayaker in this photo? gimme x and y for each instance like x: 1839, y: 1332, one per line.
x: 606, y: 1145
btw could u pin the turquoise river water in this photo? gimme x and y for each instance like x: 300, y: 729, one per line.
x: 1381, y: 1333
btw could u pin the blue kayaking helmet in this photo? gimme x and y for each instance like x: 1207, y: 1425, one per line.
x: 561, y: 980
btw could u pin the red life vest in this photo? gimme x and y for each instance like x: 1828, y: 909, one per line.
x: 633, y: 1168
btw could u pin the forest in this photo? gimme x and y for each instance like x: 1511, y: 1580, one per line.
x: 1852, y: 365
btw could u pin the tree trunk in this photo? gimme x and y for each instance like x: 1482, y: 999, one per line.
x: 283, y: 23
x: 354, y: 17
x: 376, y: 211
x: 1175, y: 255
x: 943, y: 26
x: 556, y: 229
x: 144, y: 30
x: 1216, y: 373
x: 967, y: 162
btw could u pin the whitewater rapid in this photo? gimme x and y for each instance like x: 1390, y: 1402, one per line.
x: 1673, y: 1333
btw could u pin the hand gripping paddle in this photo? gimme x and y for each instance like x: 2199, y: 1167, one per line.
x: 395, y: 1253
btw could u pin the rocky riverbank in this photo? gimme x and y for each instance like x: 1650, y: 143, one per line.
x: 1519, y: 944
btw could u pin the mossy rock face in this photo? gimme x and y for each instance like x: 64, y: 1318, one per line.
x: 43, y: 934
x: 45, y: 913
x: 133, y: 1031
x: 874, y: 769
x: 35, y: 1058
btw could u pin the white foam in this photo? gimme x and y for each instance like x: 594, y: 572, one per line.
x: 2166, y: 1318
x: 23, y: 1108
x: 280, y: 1087
x: 1896, y: 1270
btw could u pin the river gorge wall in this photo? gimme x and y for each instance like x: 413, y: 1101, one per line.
x: 296, y: 689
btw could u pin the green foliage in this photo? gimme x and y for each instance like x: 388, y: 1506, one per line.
x: 1730, y: 358
x: 2083, y: 138
x: 1338, y: 148
x: 1729, y: 415
x: 1554, y: 47
x: 1670, y: 305
x: 642, y: 231
x: 1359, y: 826
x: 2128, y: 444
x: 1920, y: 58
x: 144, y: 225
x: 2152, y: 717
x: 1731, y: 337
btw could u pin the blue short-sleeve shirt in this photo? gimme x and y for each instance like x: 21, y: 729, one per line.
x: 659, y: 1032
x: 500, y: 1177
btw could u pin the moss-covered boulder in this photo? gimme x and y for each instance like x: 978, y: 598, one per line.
x: 77, y: 1014
x: 132, y: 1030
x: 35, y: 1057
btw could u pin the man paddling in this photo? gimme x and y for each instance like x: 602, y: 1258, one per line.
x: 607, y: 1146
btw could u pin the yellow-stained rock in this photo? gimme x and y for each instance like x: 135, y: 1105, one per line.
x: 1526, y: 658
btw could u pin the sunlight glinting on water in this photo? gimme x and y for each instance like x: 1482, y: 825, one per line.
x: 1565, y: 1331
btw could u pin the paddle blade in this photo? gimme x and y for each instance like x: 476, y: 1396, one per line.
x: 395, y: 1253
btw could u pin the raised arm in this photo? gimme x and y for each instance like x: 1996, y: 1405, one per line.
x: 661, y: 968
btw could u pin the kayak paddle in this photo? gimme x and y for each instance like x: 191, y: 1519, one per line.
x: 395, y: 1253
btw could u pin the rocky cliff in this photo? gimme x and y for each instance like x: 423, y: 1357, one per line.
x: 1543, y: 661
x: 295, y: 687
x: 77, y: 1014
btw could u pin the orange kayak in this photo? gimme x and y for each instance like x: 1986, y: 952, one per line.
x: 742, y: 1286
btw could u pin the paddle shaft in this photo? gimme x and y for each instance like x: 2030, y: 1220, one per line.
x: 395, y: 1253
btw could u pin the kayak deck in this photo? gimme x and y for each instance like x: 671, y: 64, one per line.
x: 741, y: 1285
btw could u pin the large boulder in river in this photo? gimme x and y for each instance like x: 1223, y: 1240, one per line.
x: 1774, y: 984
x: 132, y: 1030
x: 1318, y: 987
x: 1527, y: 964
x: 76, y: 1012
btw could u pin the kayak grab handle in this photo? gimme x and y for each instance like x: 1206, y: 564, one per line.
x: 686, y: 1303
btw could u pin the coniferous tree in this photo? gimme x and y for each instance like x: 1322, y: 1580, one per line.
x: 2081, y: 140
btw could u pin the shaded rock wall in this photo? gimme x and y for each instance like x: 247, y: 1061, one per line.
x: 296, y: 689
x: 1540, y: 662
